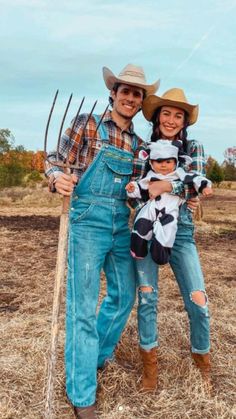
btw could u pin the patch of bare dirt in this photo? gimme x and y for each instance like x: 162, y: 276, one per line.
x: 29, y: 222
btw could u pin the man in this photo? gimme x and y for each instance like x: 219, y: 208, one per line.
x: 99, y: 236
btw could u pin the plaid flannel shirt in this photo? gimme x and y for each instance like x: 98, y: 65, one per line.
x: 196, y: 151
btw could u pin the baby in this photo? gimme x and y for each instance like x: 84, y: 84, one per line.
x: 157, y: 219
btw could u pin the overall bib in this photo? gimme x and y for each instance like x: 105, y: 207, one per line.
x: 99, y: 238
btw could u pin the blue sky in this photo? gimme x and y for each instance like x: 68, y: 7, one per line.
x: 45, y: 45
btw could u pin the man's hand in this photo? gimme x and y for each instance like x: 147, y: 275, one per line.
x: 130, y: 187
x: 64, y: 184
x: 207, y: 191
x: 158, y: 187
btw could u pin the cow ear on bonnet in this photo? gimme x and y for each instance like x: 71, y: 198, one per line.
x: 143, y: 153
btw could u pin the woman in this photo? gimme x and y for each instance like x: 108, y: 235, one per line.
x: 171, y: 114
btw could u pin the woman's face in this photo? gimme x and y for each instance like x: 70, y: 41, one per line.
x: 171, y: 121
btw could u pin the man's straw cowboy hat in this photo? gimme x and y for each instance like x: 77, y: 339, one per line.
x: 131, y: 75
x: 173, y: 97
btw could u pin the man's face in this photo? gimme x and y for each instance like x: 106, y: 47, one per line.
x: 127, y: 101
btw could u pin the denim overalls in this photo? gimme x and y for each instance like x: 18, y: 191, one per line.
x: 99, y: 238
x: 185, y: 264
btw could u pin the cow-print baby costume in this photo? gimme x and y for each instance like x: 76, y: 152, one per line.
x: 157, y: 219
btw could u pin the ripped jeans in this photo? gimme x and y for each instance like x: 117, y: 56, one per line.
x: 185, y: 264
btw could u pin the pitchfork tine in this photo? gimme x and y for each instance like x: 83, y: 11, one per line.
x: 78, y: 112
x: 62, y: 123
x: 47, y: 126
x: 94, y: 135
x: 98, y: 125
x: 72, y: 129
x: 86, y: 123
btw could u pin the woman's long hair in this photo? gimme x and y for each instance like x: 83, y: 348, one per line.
x: 156, y: 133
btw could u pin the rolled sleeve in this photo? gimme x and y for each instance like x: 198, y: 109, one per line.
x: 177, y: 188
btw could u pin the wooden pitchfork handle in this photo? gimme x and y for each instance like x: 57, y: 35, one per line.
x: 58, y: 285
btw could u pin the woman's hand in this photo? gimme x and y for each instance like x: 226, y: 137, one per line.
x: 158, y: 187
x: 207, y: 191
x: 193, y: 203
x: 64, y: 184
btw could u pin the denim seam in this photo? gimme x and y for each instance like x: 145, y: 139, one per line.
x: 118, y: 311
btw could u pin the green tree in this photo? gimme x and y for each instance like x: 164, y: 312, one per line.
x: 34, y: 176
x: 17, y: 165
x: 20, y: 149
x: 12, y: 170
x: 229, y: 171
x: 209, y: 164
x: 215, y: 173
x: 6, y: 140
x: 11, y: 175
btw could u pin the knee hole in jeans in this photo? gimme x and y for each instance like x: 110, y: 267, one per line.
x: 145, y: 288
x: 199, y: 298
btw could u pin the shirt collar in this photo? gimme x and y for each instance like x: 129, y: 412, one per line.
x: 108, y: 118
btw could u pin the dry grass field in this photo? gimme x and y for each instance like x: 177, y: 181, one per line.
x: 29, y: 222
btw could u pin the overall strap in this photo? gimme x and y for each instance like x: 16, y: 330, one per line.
x: 134, y: 143
x: 102, y: 129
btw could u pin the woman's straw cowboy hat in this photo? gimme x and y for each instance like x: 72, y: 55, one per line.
x: 131, y: 75
x: 173, y: 97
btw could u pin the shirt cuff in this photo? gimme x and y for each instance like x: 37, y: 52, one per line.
x: 177, y: 188
x: 52, y: 180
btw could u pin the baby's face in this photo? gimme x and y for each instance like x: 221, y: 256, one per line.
x: 164, y: 166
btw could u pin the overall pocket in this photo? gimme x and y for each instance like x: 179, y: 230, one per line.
x: 112, y: 175
x: 79, y: 210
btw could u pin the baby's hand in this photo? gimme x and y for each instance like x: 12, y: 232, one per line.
x: 207, y: 191
x: 130, y: 187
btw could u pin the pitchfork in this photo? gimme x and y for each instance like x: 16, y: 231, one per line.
x: 62, y: 239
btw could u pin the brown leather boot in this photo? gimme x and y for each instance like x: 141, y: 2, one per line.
x: 85, y: 412
x: 149, y: 377
x: 202, y: 362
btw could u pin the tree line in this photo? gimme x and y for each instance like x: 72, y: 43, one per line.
x: 19, y: 167
x: 226, y: 171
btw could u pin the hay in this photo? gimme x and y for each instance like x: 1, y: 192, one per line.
x: 28, y: 252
